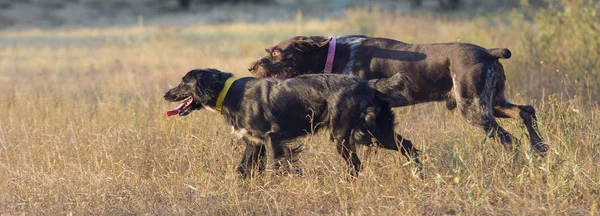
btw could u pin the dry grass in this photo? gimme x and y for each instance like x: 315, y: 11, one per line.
x: 83, y: 130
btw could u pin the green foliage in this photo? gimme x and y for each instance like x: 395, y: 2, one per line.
x: 566, y: 38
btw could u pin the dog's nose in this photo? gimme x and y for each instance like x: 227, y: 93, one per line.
x: 251, y: 67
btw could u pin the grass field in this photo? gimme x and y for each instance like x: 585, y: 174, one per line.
x: 83, y: 127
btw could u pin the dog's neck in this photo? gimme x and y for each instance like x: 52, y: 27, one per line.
x: 317, y: 60
x: 223, y: 94
x: 231, y: 103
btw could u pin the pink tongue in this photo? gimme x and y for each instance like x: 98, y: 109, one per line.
x: 172, y: 112
x: 181, y: 106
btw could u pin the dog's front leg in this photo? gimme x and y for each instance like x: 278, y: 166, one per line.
x: 254, y: 157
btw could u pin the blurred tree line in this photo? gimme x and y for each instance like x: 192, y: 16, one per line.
x: 445, y: 4
x: 185, y: 4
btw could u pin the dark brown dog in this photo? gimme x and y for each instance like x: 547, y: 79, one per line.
x: 463, y: 75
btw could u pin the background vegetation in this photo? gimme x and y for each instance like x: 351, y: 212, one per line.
x: 83, y: 130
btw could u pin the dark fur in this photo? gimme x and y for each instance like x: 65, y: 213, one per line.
x: 273, y: 111
x: 463, y: 75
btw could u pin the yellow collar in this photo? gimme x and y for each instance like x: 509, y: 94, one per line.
x: 223, y: 93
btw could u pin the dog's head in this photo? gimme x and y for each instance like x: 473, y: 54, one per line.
x: 289, y: 57
x: 198, y: 89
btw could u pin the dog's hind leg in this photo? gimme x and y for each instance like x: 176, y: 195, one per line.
x: 389, y: 139
x: 347, y: 149
x: 505, y: 109
x: 475, y: 115
x: 475, y: 104
x: 385, y: 136
x: 254, y: 157
x: 348, y: 152
x: 502, y: 108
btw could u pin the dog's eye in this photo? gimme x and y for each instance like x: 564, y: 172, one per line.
x: 275, y: 53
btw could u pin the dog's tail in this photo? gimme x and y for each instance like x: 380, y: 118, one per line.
x: 392, y: 89
x: 396, y: 83
x: 500, y: 52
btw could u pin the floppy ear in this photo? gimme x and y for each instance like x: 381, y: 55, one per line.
x: 213, y: 79
x: 222, y: 77
x: 306, y: 44
x: 209, y: 83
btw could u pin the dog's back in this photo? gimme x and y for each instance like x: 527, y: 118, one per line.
x: 310, y: 102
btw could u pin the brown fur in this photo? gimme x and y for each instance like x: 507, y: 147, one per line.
x: 465, y: 76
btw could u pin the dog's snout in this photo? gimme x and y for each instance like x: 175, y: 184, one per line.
x: 252, y: 66
x: 174, y: 94
x: 168, y: 95
x: 257, y: 64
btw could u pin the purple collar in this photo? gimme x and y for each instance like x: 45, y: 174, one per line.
x: 330, y: 56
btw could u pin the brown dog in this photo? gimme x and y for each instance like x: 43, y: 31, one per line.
x: 463, y: 75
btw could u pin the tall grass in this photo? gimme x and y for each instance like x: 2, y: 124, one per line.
x: 82, y: 125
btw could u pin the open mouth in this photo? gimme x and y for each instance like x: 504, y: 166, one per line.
x: 183, y: 108
x: 285, y: 73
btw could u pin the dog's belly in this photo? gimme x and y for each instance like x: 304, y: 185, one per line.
x: 431, y: 90
x: 285, y: 123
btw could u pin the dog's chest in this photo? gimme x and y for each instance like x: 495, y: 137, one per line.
x: 239, y: 133
x: 244, y: 133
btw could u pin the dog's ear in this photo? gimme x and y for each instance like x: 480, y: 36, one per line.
x: 212, y: 79
x: 205, y: 88
x: 269, y: 49
x: 307, y: 44
x: 210, y: 83
x: 220, y: 77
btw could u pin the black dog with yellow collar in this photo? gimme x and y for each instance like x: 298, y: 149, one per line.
x: 267, y: 112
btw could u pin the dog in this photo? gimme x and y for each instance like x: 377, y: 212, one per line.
x: 269, y: 112
x: 463, y: 75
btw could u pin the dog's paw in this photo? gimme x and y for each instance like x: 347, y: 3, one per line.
x: 417, y: 173
x: 244, y: 173
x: 294, y: 171
x: 540, y: 147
